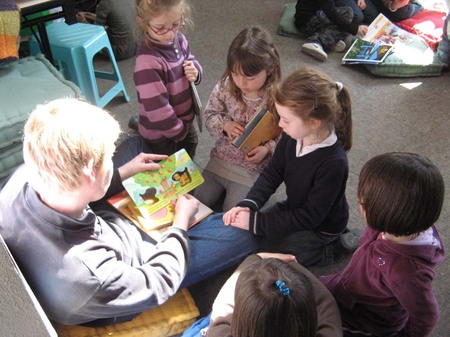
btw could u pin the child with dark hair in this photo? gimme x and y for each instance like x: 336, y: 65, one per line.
x: 386, y: 289
x: 272, y: 295
x: 253, y: 67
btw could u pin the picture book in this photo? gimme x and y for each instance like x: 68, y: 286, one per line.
x: 155, y: 224
x: 261, y: 128
x: 153, y: 190
x: 383, y: 31
x: 366, y: 52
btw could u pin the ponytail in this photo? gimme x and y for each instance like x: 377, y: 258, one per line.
x: 343, y: 124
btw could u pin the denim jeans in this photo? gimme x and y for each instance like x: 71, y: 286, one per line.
x: 214, y: 246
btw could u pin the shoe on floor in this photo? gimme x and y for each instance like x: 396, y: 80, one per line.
x: 133, y: 123
x: 315, y: 50
x: 350, y: 239
x: 349, y: 40
x: 339, y: 47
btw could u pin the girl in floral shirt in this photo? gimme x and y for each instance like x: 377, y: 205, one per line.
x: 253, y: 67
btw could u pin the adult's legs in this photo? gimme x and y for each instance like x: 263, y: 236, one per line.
x: 215, y: 247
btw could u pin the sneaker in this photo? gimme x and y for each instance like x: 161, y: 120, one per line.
x: 339, y: 47
x: 315, y: 50
x: 349, y: 40
x: 133, y: 123
x: 350, y: 239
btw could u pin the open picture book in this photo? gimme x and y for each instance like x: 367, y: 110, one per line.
x: 148, y: 198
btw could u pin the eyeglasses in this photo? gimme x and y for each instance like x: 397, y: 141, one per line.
x: 162, y: 30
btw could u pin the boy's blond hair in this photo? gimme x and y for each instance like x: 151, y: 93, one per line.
x: 61, y: 137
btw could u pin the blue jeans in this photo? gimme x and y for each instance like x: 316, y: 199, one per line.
x: 443, y: 50
x: 214, y: 246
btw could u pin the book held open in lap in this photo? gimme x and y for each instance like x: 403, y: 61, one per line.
x: 148, y: 197
x: 261, y: 128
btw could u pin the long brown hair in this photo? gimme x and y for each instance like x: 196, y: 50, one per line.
x: 310, y: 93
x: 263, y: 310
x: 251, y: 52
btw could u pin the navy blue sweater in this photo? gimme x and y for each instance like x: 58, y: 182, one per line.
x: 315, y: 189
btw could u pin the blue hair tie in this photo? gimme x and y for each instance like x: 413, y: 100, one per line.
x: 282, y: 286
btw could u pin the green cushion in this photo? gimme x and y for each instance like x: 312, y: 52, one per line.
x: 413, y: 60
x: 26, y: 83
x: 10, y: 158
x: 286, y: 26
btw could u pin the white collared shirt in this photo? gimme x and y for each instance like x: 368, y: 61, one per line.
x: 303, y: 150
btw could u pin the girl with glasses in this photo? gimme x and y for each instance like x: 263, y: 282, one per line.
x: 164, y: 68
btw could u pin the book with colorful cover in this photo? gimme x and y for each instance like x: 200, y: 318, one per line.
x: 153, y: 190
x: 383, y: 31
x: 366, y: 52
x: 261, y: 128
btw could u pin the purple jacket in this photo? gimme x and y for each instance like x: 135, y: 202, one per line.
x: 386, y: 288
x: 164, y: 96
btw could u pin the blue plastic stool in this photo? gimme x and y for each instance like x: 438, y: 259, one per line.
x: 74, y: 47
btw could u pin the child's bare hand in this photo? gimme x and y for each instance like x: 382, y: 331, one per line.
x: 242, y: 219
x: 257, y: 155
x: 362, y: 30
x: 230, y: 216
x: 233, y: 129
x: 190, y: 71
x: 283, y: 257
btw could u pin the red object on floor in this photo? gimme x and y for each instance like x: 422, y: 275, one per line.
x: 426, y: 23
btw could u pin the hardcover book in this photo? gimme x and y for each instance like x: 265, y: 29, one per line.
x: 261, y: 128
x: 153, y: 190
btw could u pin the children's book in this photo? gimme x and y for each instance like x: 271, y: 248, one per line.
x: 158, y: 221
x: 383, y: 31
x: 366, y: 52
x: 153, y: 190
x: 261, y: 128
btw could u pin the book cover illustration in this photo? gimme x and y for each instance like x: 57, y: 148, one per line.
x: 383, y: 31
x: 366, y: 52
x: 154, y: 190
x: 261, y: 128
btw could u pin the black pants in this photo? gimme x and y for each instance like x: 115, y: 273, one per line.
x: 320, y: 29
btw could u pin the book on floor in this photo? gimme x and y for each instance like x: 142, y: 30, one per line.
x: 148, y: 196
x: 366, y: 52
x: 261, y: 128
